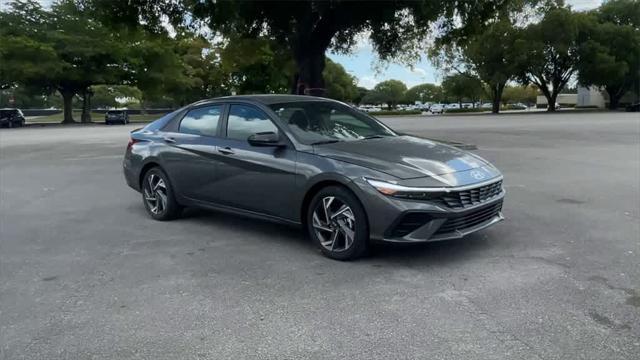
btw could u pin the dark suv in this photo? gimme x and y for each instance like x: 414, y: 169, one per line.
x: 116, y: 116
x: 11, y: 118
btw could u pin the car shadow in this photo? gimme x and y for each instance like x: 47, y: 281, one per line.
x: 381, y: 253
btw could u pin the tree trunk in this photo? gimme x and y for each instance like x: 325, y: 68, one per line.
x: 310, y: 80
x: 496, y: 97
x: 67, y: 107
x: 551, y: 101
x: 615, y: 94
x: 86, y: 106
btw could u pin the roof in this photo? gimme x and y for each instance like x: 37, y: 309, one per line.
x: 268, y: 99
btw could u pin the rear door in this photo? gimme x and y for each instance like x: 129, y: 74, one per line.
x: 255, y: 178
x: 191, y: 153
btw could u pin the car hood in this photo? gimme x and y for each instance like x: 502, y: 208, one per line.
x: 404, y: 157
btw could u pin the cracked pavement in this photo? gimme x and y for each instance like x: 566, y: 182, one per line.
x: 84, y: 273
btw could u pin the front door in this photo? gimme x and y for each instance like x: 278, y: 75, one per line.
x: 254, y: 178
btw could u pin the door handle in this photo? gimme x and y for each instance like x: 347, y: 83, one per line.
x: 169, y: 139
x: 226, y: 150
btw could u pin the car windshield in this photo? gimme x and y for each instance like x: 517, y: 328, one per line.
x: 316, y: 122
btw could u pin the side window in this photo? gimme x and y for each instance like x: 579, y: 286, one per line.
x: 245, y: 121
x: 202, y: 121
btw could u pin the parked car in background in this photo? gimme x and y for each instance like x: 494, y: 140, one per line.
x: 116, y: 116
x: 633, y: 107
x: 518, y: 106
x: 11, y: 118
x: 486, y: 106
x: 339, y: 173
x: 436, y: 109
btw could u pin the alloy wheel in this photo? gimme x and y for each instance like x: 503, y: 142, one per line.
x: 155, y: 194
x: 334, y: 224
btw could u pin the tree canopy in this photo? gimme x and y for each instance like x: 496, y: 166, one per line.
x: 610, y: 57
x: 309, y: 28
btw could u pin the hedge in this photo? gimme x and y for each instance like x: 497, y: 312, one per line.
x: 396, y: 112
x: 466, y: 110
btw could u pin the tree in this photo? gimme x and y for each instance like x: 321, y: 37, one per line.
x: 522, y: 94
x: 60, y: 49
x: 112, y: 96
x: 309, y: 28
x: 462, y: 86
x: 360, y: 95
x: 256, y: 65
x: 424, y: 93
x: 546, y: 53
x: 610, y: 58
x: 340, y: 84
x: 389, y: 92
x: 490, y: 55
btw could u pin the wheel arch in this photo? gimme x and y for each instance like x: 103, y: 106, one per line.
x: 321, y: 184
x: 146, y: 167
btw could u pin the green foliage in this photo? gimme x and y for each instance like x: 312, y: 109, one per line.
x: 424, y: 93
x: 546, y: 53
x: 610, y: 57
x: 256, y: 65
x: 395, y: 112
x: 464, y: 110
x: 308, y: 28
x: 340, y: 85
x: 113, y: 96
x: 521, y: 94
x: 462, y: 87
x: 389, y: 92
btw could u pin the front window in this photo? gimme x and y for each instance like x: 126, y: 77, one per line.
x: 245, y: 121
x: 316, y: 122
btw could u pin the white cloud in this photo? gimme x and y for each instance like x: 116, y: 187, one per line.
x: 584, y: 4
x: 418, y: 71
x: 368, y: 82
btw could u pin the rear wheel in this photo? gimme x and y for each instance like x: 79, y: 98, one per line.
x: 158, y: 197
x: 337, y: 223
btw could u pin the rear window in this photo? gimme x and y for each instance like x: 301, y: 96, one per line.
x: 115, y: 112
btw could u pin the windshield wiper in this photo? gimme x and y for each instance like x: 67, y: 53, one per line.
x: 325, y: 142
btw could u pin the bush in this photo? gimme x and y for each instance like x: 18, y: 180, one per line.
x: 396, y: 112
x: 467, y: 110
x: 511, y: 107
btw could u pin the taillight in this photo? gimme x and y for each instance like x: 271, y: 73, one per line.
x: 131, y: 142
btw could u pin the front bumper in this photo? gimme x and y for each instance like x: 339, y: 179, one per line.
x: 401, y: 220
x: 435, y: 226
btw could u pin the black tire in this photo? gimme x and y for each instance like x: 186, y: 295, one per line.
x: 360, y: 243
x: 169, y: 208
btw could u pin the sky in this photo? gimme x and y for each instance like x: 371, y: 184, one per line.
x: 362, y: 60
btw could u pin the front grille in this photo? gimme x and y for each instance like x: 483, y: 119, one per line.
x: 466, y: 198
x: 408, y: 223
x: 470, y: 219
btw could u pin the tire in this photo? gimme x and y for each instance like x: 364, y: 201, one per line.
x: 158, y: 197
x: 331, y: 233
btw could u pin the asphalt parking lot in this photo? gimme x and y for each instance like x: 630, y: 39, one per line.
x: 84, y: 273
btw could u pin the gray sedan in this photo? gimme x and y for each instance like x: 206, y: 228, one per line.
x: 344, y: 176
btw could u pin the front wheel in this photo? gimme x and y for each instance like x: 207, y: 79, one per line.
x: 157, y: 195
x: 337, y: 223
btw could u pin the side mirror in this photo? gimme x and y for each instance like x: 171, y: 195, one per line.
x: 268, y: 138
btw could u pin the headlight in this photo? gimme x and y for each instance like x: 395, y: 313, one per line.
x: 406, y: 192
